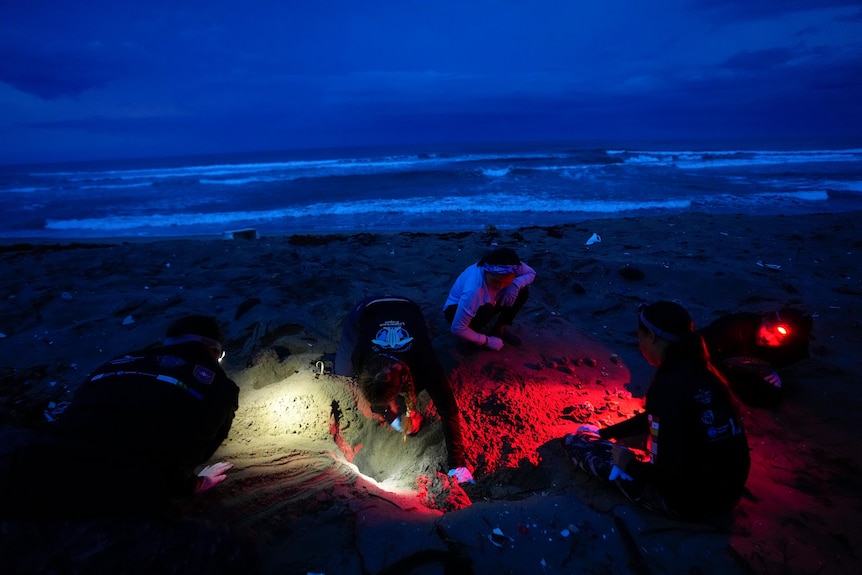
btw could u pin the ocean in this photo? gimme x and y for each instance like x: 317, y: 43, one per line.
x: 430, y: 189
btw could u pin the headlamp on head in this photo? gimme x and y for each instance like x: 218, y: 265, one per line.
x: 773, y: 331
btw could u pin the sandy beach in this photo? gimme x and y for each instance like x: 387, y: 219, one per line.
x: 320, y: 487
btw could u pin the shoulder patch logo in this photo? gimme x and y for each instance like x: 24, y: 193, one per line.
x: 204, y: 375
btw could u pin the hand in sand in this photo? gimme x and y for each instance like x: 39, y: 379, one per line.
x: 212, y: 475
x: 461, y: 475
x: 494, y: 343
x: 413, y: 421
x: 407, y: 423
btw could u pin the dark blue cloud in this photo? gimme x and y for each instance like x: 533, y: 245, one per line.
x: 759, y: 9
x: 55, y: 73
x: 152, y: 78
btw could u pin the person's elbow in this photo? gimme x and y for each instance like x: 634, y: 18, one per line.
x: 459, y: 332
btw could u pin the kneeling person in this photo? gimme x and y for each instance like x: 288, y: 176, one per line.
x: 135, y: 430
x: 385, y: 345
x: 494, y: 289
x: 698, y: 451
x: 749, y: 349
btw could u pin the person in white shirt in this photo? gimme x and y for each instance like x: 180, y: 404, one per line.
x: 487, y: 296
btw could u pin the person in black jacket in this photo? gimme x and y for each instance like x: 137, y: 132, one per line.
x: 132, y: 436
x: 385, y: 346
x: 750, y: 348
x: 104, y: 488
x: 698, y: 459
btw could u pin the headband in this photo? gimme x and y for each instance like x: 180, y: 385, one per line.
x: 502, y: 269
x: 659, y: 332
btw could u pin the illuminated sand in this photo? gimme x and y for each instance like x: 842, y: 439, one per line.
x: 322, y: 488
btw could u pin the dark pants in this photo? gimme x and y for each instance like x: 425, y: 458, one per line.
x: 486, y: 313
x: 692, y: 500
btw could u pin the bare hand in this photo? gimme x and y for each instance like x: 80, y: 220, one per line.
x: 494, y: 343
x: 212, y: 475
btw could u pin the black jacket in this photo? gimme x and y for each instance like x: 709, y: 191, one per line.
x: 395, y: 326
x: 699, y: 458
x: 131, y: 438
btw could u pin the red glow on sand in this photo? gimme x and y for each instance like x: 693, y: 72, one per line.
x: 514, y: 403
x: 335, y: 431
x: 508, y: 417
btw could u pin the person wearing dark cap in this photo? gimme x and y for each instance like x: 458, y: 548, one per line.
x: 698, y: 459
x: 133, y: 434
x: 384, y: 344
x: 750, y: 348
x: 494, y: 289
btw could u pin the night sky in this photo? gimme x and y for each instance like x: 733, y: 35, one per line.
x: 112, y: 79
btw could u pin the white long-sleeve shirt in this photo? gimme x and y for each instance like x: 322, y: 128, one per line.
x: 470, y: 292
